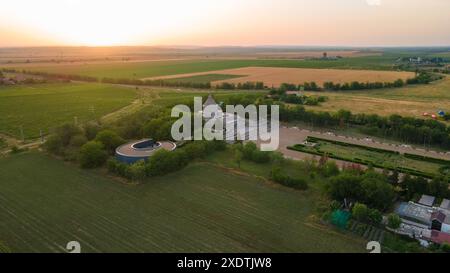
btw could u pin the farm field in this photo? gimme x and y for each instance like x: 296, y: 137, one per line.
x: 202, y: 78
x: 42, y: 107
x: 410, y: 101
x: 376, y: 158
x: 51, y: 203
x: 150, y: 69
x: 275, y: 76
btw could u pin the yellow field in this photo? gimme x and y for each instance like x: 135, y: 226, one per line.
x: 409, y: 101
x: 274, y: 76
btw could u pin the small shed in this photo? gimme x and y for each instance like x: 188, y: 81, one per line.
x: 427, y: 200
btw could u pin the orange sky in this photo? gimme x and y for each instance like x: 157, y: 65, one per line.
x: 225, y: 22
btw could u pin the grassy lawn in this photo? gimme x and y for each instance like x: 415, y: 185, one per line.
x: 163, y: 68
x: 408, y: 101
x: 42, y: 107
x: 203, y: 78
x: 46, y: 203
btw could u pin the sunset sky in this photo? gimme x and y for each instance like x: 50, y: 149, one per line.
x: 225, y: 22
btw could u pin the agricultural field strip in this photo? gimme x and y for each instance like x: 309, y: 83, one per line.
x: 278, y: 75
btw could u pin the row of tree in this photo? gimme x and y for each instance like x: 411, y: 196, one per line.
x: 421, y: 78
x: 367, y: 187
x: 298, y: 99
x: 406, y: 129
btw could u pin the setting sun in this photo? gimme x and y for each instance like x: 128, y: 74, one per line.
x: 220, y: 22
x: 108, y: 22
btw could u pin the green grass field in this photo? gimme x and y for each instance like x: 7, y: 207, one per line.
x: 47, y: 203
x: 42, y: 107
x: 163, y: 68
x: 203, y: 78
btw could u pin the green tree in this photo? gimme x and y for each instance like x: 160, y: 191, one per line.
x: 66, y: 132
x: 78, y: 141
x: 375, y: 216
x: 238, y: 155
x: 345, y: 185
x: 91, y: 129
x: 54, y: 145
x: 394, y: 221
x: 92, y: 154
x: 110, y: 140
x: 330, y: 168
x: 438, y: 187
x: 360, y: 212
x: 377, y: 193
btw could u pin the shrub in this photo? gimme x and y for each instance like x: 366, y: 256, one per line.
x: 78, y: 141
x: 54, y: 145
x: 137, y: 170
x: 163, y: 162
x: 394, y: 221
x: 66, y: 132
x: 375, y: 216
x: 329, y: 169
x: 92, y: 154
x: 360, y: 212
x: 91, y: 129
x: 286, y: 180
x: 110, y: 140
x: 195, y: 149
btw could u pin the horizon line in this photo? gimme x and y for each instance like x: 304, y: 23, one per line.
x: 230, y: 46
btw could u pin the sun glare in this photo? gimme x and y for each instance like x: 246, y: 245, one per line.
x: 109, y: 22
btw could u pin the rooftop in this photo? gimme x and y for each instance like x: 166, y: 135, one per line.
x: 427, y: 200
x: 133, y: 150
x: 415, y: 212
x: 209, y: 101
x: 440, y: 237
x: 445, y: 204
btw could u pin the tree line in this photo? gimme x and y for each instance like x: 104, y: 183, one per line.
x: 406, y: 129
x: 422, y: 77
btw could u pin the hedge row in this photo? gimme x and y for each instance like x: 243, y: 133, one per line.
x: 428, y: 159
x: 302, y: 148
x: 373, y: 149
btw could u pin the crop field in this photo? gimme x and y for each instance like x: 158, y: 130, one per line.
x: 376, y: 158
x: 203, y: 78
x: 275, y: 76
x: 150, y: 69
x: 42, y: 107
x: 199, y: 209
x: 407, y: 101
